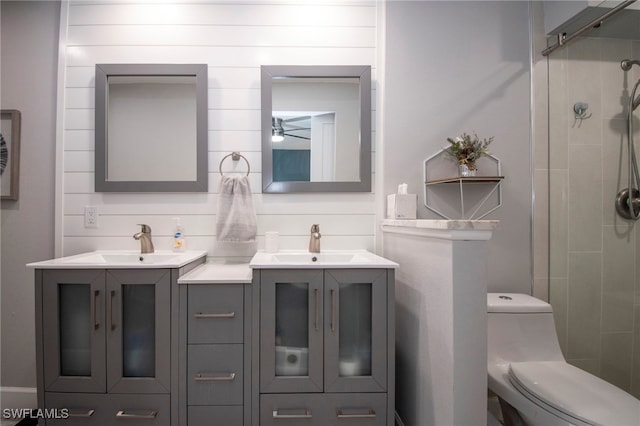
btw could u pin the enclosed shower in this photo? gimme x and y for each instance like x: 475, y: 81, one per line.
x: 594, y: 200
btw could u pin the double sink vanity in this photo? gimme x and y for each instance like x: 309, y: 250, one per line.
x: 167, y: 339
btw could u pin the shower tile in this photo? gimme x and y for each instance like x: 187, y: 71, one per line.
x: 558, y: 299
x: 558, y: 114
x: 584, y: 302
x: 635, y: 376
x: 558, y: 223
x: 541, y: 224
x: 618, y: 284
x: 585, y: 198
x: 616, y: 360
x: 585, y: 85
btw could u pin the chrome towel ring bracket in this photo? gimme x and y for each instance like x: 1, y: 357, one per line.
x: 235, y: 156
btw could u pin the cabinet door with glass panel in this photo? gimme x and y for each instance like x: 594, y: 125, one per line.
x: 291, y: 329
x: 355, y: 330
x: 106, y: 331
x: 73, y: 322
x: 323, y: 331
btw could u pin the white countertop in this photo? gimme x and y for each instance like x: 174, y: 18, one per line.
x: 121, y: 259
x: 218, y: 273
x: 478, y: 225
x: 455, y: 230
x: 326, y: 259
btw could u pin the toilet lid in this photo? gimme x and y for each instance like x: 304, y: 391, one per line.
x: 576, y: 393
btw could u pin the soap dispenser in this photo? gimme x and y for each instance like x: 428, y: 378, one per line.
x: 178, y: 243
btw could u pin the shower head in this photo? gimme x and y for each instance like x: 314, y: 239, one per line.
x: 626, y: 64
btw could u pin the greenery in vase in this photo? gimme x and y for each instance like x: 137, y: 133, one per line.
x: 466, y: 149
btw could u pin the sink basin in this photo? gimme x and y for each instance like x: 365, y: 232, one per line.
x: 289, y: 258
x: 122, y: 259
x: 324, y: 259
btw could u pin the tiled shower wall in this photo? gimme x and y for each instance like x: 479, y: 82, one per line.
x: 594, y: 253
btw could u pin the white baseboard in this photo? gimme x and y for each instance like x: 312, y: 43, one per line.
x: 14, y: 397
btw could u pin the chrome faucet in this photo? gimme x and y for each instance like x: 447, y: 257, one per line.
x: 314, y: 239
x: 144, y: 236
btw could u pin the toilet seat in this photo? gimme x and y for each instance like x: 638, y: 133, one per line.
x: 574, y: 394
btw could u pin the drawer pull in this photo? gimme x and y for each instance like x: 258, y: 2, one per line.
x: 144, y: 414
x: 226, y: 315
x: 81, y: 413
x: 305, y: 414
x: 370, y: 414
x: 226, y: 378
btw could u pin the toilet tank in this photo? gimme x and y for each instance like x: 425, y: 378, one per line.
x: 520, y: 328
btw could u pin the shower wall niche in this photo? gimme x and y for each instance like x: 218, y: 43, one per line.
x: 594, y: 254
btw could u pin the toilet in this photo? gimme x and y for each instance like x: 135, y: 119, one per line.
x: 528, y: 372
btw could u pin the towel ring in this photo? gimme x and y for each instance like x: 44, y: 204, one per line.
x: 235, y: 156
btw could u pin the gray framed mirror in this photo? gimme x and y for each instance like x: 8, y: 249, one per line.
x: 316, y: 128
x: 151, y: 128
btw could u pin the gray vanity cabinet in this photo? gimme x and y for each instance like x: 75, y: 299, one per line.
x: 104, y: 344
x: 326, y: 346
x: 214, y: 358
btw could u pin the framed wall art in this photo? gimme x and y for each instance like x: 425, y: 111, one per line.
x: 9, y: 153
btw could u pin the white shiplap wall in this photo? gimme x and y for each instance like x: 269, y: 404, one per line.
x: 234, y: 39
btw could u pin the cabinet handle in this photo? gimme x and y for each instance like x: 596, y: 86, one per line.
x: 227, y: 315
x: 226, y: 378
x: 81, y: 413
x: 94, y: 304
x: 150, y: 414
x: 332, y: 292
x: 110, y: 308
x: 315, y: 304
x: 370, y: 414
x: 306, y: 414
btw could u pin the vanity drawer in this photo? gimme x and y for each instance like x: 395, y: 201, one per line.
x: 215, y: 313
x: 228, y: 415
x: 321, y: 409
x: 108, y: 409
x: 215, y: 374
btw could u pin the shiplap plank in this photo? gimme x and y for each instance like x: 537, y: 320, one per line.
x: 362, y: 14
x: 220, y: 35
x: 236, y: 56
x: 205, y: 203
x: 225, y: 119
x: 79, y: 140
x: 235, y: 140
x: 234, y: 99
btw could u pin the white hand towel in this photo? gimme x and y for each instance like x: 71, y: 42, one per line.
x: 236, y: 218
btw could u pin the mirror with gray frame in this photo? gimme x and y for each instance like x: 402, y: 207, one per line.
x: 316, y: 128
x: 151, y: 128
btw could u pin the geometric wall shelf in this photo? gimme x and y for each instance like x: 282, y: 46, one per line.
x: 488, y: 185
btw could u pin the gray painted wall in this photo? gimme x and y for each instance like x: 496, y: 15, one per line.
x: 28, y: 70
x: 453, y: 67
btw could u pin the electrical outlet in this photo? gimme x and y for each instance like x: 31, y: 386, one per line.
x: 90, y: 216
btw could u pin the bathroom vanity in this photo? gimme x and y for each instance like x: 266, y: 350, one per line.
x: 166, y: 339
x: 324, y: 326
x: 105, y: 336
